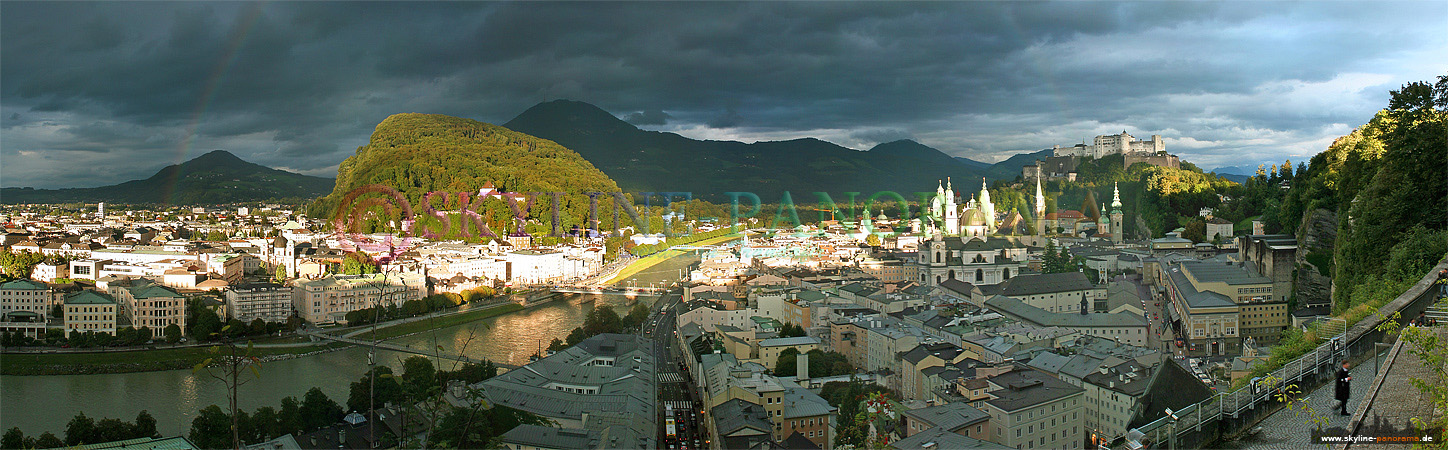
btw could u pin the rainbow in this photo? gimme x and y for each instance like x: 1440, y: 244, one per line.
x: 248, y: 18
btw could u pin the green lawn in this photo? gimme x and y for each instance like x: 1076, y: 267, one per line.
x: 649, y: 261
x: 1244, y: 226
x: 393, y: 331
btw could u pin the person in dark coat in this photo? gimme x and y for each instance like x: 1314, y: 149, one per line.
x: 1344, y: 386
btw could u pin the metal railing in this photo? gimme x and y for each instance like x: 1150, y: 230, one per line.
x: 1334, y: 349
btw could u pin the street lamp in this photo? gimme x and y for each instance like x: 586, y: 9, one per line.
x: 1171, y: 438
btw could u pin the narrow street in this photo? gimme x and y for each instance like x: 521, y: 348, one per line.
x: 676, y: 394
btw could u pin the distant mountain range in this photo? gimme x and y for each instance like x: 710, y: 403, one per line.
x: 973, y: 163
x: 652, y: 161
x: 637, y: 160
x: 1011, y: 167
x: 213, y: 178
x: 1246, y: 170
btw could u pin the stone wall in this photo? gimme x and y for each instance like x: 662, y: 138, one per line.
x: 1159, y: 160
x: 1315, y: 236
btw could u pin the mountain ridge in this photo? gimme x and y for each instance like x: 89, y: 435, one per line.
x: 655, y: 161
x: 215, y: 177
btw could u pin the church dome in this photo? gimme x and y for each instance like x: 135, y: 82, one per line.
x: 974, y: 217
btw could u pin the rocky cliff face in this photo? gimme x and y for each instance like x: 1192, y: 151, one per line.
x: 1315, y: 238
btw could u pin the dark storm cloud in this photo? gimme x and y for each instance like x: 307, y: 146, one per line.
x: 300, y: 85
x: 651, y: 117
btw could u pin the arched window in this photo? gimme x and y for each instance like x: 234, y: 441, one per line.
x: 950, y: 275
x: 1006, y: 274
x: 937, y: 256
x: 937, y: 279
x: 979, y: 275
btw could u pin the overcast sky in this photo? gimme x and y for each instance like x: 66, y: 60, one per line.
x: 97, y: 93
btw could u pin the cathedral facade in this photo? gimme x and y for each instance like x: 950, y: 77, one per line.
x: 946, y: 216
x: 959, y: 244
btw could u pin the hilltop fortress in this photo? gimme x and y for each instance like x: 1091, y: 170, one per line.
x: 1062, y: 163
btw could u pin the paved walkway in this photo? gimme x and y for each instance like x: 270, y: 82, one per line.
x: 1288, y: 429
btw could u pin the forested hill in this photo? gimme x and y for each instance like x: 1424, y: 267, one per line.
x: 213, y: 178
x: 650, y: 161
x: 421, y: 153
x: 1385, y: 186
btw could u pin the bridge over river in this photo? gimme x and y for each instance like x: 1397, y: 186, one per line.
x: 415, y: 351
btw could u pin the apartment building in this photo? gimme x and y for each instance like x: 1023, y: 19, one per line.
x: 148, y: 304
x: 269, y: 302
x: 24, y: 295
x: 329, y: 299
x: 90, y: 311
x: 1030, y: 409
x: 1124, y: 327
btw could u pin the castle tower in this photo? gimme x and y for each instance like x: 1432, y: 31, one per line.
x: 1040, y: 209
x: 1117, y: 227
x: 952, y: 212
x: 987, y: 208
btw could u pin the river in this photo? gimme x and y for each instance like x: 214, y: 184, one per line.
x: 46, y: 403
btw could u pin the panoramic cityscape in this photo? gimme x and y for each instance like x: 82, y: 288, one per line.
x: 723, y: 225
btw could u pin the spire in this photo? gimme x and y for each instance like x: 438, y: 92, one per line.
x: 1040, y: 197
x: 948, y: 187
x: 984, y: 192
x: 1115, y: 196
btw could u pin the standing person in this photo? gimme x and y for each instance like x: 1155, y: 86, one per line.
x: 1344, y: 386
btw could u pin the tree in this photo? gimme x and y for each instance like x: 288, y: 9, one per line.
x: 787, y: 363
x: 111, y: 430
x: 266, y: 423
x: 281, y: 274
x: 557, y: 345
x: 145, y: 425
x: 576, y: 336
x: 419, y: 376
x: 289, y: 419
x: 636, y: 316
x: 791, y: 330
x: 173, y: 333
x: 48, y: 440
x: 318, y: 411
x: 126, y: 336
x: 211, y: 429
x: 872, y: 240
x: 1195, y: 230
x: 14, y: 438
x: 383, y: 388
x: 54, y: 336
x: 602, y: 320
x: 80, y: 430
x: 358, y: 263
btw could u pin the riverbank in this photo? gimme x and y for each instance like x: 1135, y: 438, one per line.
x: 435, y: 322
x: 649, y: 261
x: 127, y: 361
x: 146, y: 360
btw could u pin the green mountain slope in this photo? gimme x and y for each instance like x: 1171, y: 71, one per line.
x: 212, y: 178
x: 650, y: 161
x: 420, y: 153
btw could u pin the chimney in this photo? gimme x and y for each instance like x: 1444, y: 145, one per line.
x: 801, y: 367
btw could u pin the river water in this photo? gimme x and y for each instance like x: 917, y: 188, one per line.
x: 46, y: 403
